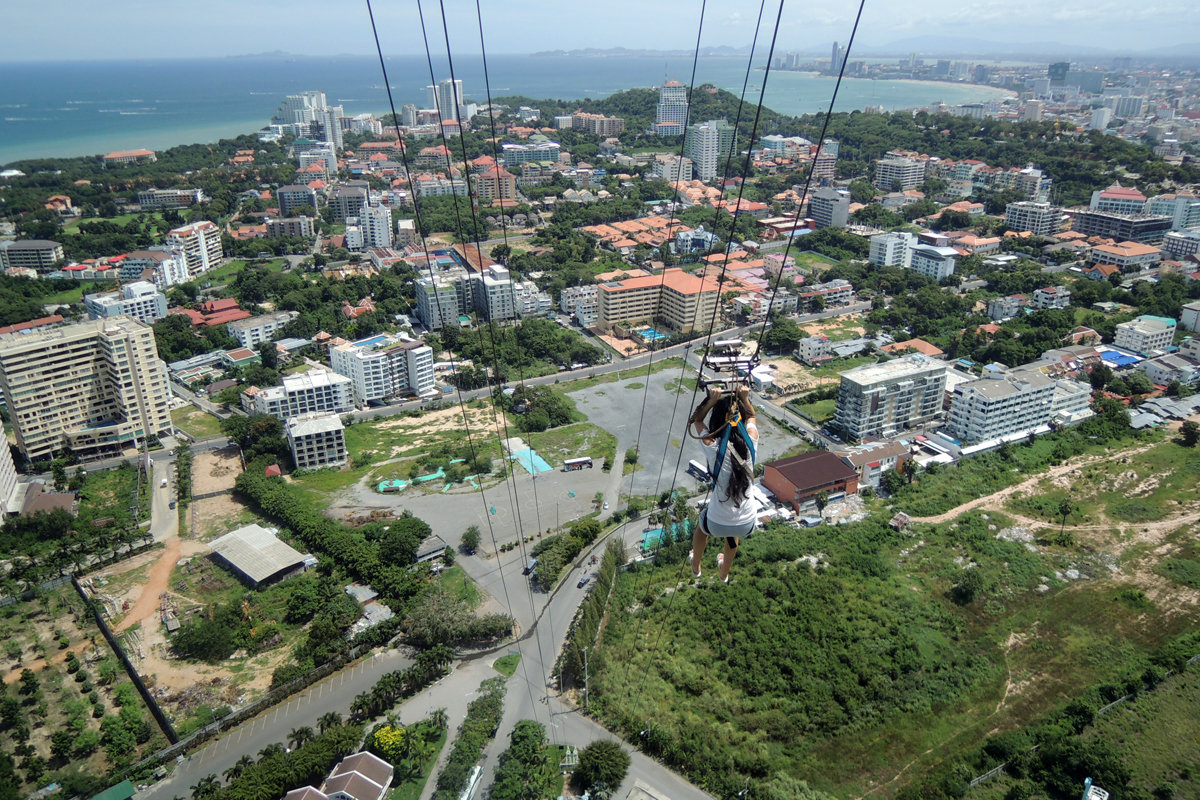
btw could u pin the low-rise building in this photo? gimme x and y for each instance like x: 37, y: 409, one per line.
x: 317, y: 440
x: 1002, y: 308
x: 1189, y: 316
x: 1052, y: 297
x: 799, y: 479
x: 158, y: 199
x: 1127, y: 256
x: 870, y: 461
x: 140, y: 300
x: 680, y: 300
x: 1146, y: 334
x: 831, y: 294
x: 932, y: 261
x: 290, y: 226
x: 257, y: 556
x: 813, y: 350
x: 263, y: 328
x: 1171, y: 367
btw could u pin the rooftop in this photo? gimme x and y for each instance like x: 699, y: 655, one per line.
x: 256, y: 552
x: 817, y: 468
x: 313, y: 423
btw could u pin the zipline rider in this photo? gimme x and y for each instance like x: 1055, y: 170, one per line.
x: 729, y: 436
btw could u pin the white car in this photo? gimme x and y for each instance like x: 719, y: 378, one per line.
x: 606, y: 506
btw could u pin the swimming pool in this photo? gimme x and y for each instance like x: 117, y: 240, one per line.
x: 531, y: 461
x: 651, y: 335
x: 374, y: 340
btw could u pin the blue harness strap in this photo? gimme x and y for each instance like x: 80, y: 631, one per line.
x: 730, y: 424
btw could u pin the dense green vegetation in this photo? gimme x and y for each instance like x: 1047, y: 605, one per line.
x: 556, y: 553
x: 278, y: 770
x: 528, y: 768
x: 532, y: 347
x: 482, y: 720
x: 403, y: 683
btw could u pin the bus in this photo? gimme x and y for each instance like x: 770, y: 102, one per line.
x: 577, y: 463
x: 698, y: 470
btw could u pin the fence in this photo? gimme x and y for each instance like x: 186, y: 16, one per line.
x: 114, y: 643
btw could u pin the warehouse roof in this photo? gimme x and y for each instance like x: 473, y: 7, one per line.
x: 256, y: 552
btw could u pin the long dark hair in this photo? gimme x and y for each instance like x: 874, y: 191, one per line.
x: 739, y: 480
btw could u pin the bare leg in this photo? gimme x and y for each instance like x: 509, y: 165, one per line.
x: 699, y: 542
x: 727, y: 559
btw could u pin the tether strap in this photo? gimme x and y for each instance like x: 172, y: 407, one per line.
x: 730, y: 424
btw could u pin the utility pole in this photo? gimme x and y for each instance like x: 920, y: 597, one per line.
x: 587, y: 692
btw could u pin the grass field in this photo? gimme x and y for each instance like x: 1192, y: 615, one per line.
x: 814, y: 261
x: 819, y: 411
x: 455, y: 583
x: 72, y: 227
x: 573, y: 441
x: 224, y: 274
x: 507, y: 665
x: 196, y: 423
x: 840, y: 365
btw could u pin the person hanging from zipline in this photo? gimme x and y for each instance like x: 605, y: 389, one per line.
x: 729, y: 437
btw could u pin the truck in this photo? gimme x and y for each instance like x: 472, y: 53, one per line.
x: 698, y: 471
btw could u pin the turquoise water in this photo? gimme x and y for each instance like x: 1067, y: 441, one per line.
x: 651, y: 335
x: 531, y: 461
x: 80, y: 108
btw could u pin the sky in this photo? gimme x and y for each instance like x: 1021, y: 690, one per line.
x: 37, y: 30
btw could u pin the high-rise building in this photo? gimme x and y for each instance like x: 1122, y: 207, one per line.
x: 200, y: 244
x: 898, y: 174
x: 709, y: 145
x: 672, y: 106
x: 384, y: 367
x: 1101, y: 117
x: 1183, y: 209
x: 408, y: 115
x: 495, y: 183
x: 882, y: 399
x: 830, y: 208
x: 437, y: 302
x: 1032, y: 112
x: 932, y: 261
x: 1001, y: 403
x: 447, y: 98
x: 675, y: 298
x: 95, y: 388
x: 376, y: 224
x: 348, y: 201
x: 492, y: 290
x: 824, y: 166
x: 140, y: 300
x: 311, y: 113
x: 837, y: 57
x: 1040, y: 219
x: 8, y: 479
x: 1141, y: 228
x: 892, y: 249
x: 293, y: 196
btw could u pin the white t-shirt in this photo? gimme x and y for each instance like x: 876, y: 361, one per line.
x: 722, y: 508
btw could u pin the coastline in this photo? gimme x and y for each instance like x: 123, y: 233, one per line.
x: 913, y: 81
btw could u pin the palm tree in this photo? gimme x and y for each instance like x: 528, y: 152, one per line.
x: 205, y: 787
x: 329, y: 720
x: 438, y: 718
x: 298, y: 736
x: 235, y: 772
x: 273, y: 749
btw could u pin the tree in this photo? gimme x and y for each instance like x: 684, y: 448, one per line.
x: 471, y: 539
x: 1190, y: 432
x: 968, y: 588
x: 238, y: 768
x: 205, y: 787
x: 1065, y: 509
x: 822, y: 500
x: 602, y: 761
x: 330, y: 719
x: 1100, y: 375
x: 299, y: 736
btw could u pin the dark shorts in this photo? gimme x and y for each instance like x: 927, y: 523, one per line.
x: 731, y: 532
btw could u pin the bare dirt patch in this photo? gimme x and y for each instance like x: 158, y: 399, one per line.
x: 215, y: 470
x: 216, y: 515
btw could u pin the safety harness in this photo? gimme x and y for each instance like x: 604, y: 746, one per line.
x: 732, y: 420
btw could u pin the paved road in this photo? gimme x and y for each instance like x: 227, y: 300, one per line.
x: 164, y: 520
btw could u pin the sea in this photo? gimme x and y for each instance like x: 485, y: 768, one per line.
x: 74, y: 108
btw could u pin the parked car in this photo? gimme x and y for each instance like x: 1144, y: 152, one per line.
x: 587, y: 576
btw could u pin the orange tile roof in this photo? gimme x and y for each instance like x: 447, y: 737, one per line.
x: 674, y: 278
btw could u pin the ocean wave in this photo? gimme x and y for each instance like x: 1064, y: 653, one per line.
x: 27, y: 119
x: 14, y: 105
x: 84, y: 102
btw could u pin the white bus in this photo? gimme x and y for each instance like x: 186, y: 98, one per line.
x: 577, y: 463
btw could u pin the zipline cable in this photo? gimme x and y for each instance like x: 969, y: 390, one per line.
x: 429, y: 265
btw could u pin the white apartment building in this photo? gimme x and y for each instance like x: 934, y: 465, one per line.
x: 140, y: 300
x: 317, y: 441
x: 709, y: 145
x: 95, y: 388
x: 154, y: 199
x: 1002, y: 308
x: 892, y: 249
x: 999, y: 404
x: 931, y: 261
x: 581, y: 302
x: 1181, y: 244
x: 899, y: 174
x: 316, y: 391
x: 1183, y: 209
x: 200, y: 245
x: 8, y: 482
x: 1171, y: 367
x: 672, y: 105
x: 669, y: 167
x: 385, y: 367
x: 1040, y: 219
x: 1129, y: 256
x: 883, y: 399
x: 1052, y: 297
x: 253, y: 331
x: 680, y: 300
x: 813, y: 350
x: 376, y: 224
x: 493, y: 293
x: 529, y: 300
x: 830, y: 207
x: 406, y: 233
x: 1146, y: 334
x: 437, y: 302
x: 1189, y: 317
x: 37, y: 254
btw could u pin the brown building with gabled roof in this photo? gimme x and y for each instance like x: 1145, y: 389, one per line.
x: 799, y: 479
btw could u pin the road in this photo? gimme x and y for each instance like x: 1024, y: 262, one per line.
x: 528, y: 697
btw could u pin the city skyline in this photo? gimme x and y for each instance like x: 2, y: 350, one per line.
x: 1088, y: 26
